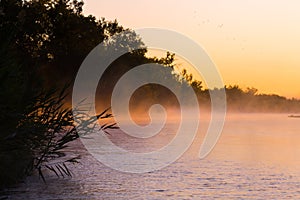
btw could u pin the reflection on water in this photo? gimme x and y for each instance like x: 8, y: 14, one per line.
x: 257, y: 156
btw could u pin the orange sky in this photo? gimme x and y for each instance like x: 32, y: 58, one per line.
x: 253, y: 43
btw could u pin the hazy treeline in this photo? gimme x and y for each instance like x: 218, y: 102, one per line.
x: 238, y: 99
x: 244, y: 100
x: 250, y: 100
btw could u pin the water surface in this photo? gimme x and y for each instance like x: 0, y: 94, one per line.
x: 257, y: 157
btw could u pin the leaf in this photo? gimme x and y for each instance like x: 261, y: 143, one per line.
x: 63, y: 169
x: 52, y: 169
x: 74, y: 160
x: 41, y: 174
x: 57, y: 167
x: 68, y: 171
x: 101, y: 114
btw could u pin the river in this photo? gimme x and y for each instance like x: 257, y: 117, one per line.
x: 257, y: 157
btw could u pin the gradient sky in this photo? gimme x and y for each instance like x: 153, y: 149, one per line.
x: 254, y: 43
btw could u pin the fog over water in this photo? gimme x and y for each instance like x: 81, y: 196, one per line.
x: 257, y: 156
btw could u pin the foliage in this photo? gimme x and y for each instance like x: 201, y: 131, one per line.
x: 36, y: 126
x: 54, y: 36
x: 45, y: 43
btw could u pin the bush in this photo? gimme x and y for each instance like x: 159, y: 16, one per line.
x: 36, y: 126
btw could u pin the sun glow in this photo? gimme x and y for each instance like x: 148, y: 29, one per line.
x: 253, y: 43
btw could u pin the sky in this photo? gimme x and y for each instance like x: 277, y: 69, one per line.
x: 254, y: 43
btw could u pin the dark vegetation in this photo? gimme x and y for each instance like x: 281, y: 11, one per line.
x: 247, y: 100
x: 42, y: 41
x: 43, y: 45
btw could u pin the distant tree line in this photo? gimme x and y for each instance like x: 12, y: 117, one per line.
x: 250, y: 100
x: 245, y: 100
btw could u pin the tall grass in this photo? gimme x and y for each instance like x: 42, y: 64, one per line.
x: 40, y: 138
x: 36, y: 126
